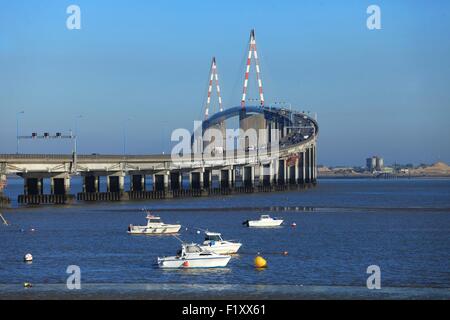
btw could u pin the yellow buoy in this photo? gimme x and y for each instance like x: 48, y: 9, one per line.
x: 260, y: 262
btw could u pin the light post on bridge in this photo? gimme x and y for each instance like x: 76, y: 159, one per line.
x: 17, y: 129
x: 75, y: 142
x: 125, y: 125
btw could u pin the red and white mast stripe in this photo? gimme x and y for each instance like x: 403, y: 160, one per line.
x: 213, y: 77
x: 252, y: 52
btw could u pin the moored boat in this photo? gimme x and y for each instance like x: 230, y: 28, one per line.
x: 154, y: 226
x: 264, y: 221
x: 215, y: 243
x: 193, y: 256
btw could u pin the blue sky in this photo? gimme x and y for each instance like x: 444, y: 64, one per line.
x: 382, y: 92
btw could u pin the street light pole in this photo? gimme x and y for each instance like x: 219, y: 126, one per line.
x: 17, y: 130
x: 76, y: 133
x: 125, y: 136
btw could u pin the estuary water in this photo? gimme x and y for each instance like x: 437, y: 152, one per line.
x: 343, y: 226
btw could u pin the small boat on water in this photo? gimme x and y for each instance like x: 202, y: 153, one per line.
x: 264, y: 221
x: 154, y: 226
x: 215, y: 243
x: 193, y: 256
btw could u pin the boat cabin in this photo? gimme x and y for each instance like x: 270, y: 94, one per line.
x: 265, y: 216
x: 192, y: 249
x: 153, y: 219
x: 213, y: 236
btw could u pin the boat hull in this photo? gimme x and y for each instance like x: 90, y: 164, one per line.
x: 154, y: 230
x: 180, y: 263
x: 264, y: 224
x: 227, y: 248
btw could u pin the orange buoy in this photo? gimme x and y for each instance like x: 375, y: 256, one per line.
x: 260, y: 262
x: 186, y: 264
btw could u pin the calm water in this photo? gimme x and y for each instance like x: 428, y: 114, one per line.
x: 403, y: 226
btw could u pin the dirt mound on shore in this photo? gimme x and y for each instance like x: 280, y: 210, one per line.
x: 439, y: 168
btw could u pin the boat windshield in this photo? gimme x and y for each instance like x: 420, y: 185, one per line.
x: 154, y: 220
x: 265, y: 216
x: 193, y: 249
x: 213, y: 237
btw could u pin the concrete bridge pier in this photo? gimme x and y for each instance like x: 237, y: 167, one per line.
x: 115, y: 184
x: 176, y: 180
x: 60, y: 185
x: 314, y: 165
x: 33, y: 186
x: 292, y: 172
x: 223, y: 179
x: 231, y: 177
x: 265, y: 175
x: 248, y: 176
x: 138, y: 182
x: 301, y: 168
x: 166, y: 182
x: 4, y: 200
x: 91, y: 184
x: 195, y: 180
x: 281, y: 177
x: 307, y: 166
x: 296, y: 169
x: 207, y: 179
x: 33, y: 190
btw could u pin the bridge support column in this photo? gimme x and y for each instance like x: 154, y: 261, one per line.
x: 296, y: 169
x: 60, y: 186
x: 180, y: 180
x: 166, y: 181
x: 301, y: 168
x: 202, y: 179
x: 137, y: 182
x: 158, y: 182
x: 4, y: 200
x: 260, y: 175
x: 115, y: 183
x: 196, y: 180
x: 207, y: 177
x: 91, y: 184
x: 307, y: 166
x: 248, y: 176
x: 286, y: 171
x: 314, y: 164
x: 281, y: 171
x: 67, y: 184
x: 175, y: 179
x: 33, y: 186
x: 231, y: 178
x: 310, y: 167
x: 3, y: 181
x: 224, y: 179
x: 272, y: 172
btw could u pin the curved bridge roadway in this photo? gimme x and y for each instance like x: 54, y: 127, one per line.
x: 157, y: 176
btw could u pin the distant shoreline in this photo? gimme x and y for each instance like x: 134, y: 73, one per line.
x: 340, y: 176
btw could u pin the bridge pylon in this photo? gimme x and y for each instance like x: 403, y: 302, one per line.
x: 252, y: 53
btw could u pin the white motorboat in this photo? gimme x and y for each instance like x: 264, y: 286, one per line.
x: 215, y: 243
x: 264, y: 221
x: 154, y: 226
x: 194, y: 256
